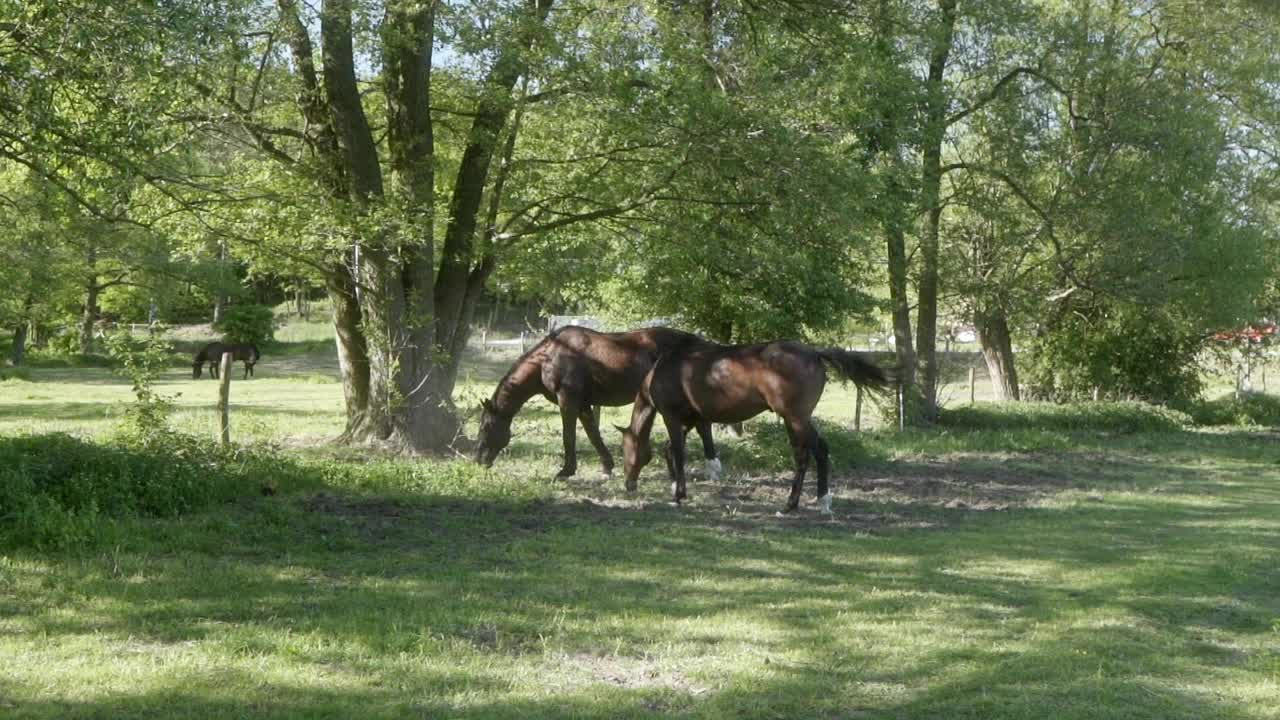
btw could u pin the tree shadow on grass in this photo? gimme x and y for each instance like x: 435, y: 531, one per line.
x: 599, y: 605
x: 546, y: 587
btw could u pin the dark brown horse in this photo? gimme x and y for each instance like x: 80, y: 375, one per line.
x: 212, y: 354
x: 577, y: 368
x: 730, y: 383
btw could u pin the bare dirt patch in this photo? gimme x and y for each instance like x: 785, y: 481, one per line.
x: 925, y: 493
x: 906, y: 494
x: 583, y: 668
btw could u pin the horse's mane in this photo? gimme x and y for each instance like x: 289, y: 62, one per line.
x: 520, y: 361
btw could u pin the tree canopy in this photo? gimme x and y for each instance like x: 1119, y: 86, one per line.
x: 1058, y: 173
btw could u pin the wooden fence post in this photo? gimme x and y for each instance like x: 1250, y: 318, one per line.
x: 970, y: 386
x: 857, y: 411
x: 224, y: 398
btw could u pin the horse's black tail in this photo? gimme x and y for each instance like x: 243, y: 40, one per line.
x: 856, y: 367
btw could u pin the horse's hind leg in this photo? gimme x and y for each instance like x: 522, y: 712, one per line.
x: 590, y: 417
x: 570, y: 408
x: 709, y: 450
x: 823, y: 457
x: 802, y: 435
x: 676, y: 458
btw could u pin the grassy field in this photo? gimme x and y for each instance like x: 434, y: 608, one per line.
x: 1005, y: 573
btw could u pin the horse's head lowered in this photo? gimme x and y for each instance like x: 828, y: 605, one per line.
x: 495, y: 433
x: 637, y: 451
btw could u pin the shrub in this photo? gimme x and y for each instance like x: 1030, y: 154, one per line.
x: 15, y: 373
x: 1079, y: 416
x: 1120, y: 352
x: 1253, y: 409
x: 142, y: 361
x: 247, y: 324
x: 60, y: 492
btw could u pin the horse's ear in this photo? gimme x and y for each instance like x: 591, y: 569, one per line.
x: 487, y: 404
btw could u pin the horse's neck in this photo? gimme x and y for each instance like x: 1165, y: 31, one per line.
x: 523, y: 382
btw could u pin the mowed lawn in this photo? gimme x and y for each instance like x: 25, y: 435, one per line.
x: 986, y: 574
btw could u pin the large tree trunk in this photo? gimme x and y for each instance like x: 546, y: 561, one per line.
x: 412, y: 322
x: 457, y: 265
x: 931, y: 203
x: 353, y: 355
x: 997, y: 349
x: 20, y: 343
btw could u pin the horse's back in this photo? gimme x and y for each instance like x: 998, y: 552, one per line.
x: 609, y: 367
x: 730, y: 383
x: 211, y: 351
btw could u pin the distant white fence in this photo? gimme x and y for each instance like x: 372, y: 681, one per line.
x: 487, y: 344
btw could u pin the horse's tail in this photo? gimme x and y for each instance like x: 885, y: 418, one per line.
x: 856, y: 367
x: 254, y: 355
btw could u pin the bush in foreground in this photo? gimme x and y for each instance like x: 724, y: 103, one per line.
x: 59, y: 492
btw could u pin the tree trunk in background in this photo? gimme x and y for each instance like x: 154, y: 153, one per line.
x: 220, y: 297
x: 896, y: 247
x: 931, y: 203
x: 90, y: 315
x: 884, y: 148
x: 20, y: 344
x: 992, y: 325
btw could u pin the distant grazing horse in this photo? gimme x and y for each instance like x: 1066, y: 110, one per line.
x: 731, y: 383
x: 212, y: 354
x: 577, y: 368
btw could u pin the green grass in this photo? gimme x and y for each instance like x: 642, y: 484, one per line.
x: 1021, y: 570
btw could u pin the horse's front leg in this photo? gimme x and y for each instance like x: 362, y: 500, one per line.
x: 591, y: 423
x: 676, y: 458
x: 570, y: 407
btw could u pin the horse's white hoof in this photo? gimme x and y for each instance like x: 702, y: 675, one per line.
x: 824, y: 504
x: 714, y: 468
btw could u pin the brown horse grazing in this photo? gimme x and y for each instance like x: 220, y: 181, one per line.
x: 576, y: 368
x: 212, y: 354
x: 731, y: 383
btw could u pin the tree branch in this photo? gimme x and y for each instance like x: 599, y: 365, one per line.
x: 1009, y: 77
